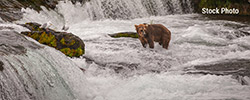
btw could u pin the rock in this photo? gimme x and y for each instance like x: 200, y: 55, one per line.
x: 124, y: 34
x: 12, y: 42
x: 246, y: 80
x: 230, y: 66
x: 10, y: 10
x: 1, y: 66
x: 238, y: 68
x: 243, y: 80
x: 82, y: 69
x: 67, y: 43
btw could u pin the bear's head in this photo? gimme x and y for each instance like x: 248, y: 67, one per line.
x: 141, y: 29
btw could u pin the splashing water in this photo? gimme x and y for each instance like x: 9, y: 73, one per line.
x: 150, y: 74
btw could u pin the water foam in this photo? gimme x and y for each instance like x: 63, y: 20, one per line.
x: 194, y: 41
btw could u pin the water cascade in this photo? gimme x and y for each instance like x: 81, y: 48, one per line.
x: 120, y: 68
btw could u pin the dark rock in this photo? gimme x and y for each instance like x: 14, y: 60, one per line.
x: 227, y: 67
x: 232, y: 66
x: 124, y: 34
x: 238, y: 68
x: 67, y: 43
x: 13, y: 43
x: 1, y: 66
x: 243, y: 80
x: 82, y: 69
x: 10, y: 10
x: 80, y: 1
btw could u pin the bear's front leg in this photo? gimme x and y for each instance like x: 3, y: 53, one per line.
x: 151, y: 43
x: 144, y: 45
x: 143, y: 41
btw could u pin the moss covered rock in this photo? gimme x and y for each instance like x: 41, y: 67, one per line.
x: 67, y: 43
x: 124, y: 34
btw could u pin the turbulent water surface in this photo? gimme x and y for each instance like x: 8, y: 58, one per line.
x: 121, y: 69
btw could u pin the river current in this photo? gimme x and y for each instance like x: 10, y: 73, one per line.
x: 121, y: 69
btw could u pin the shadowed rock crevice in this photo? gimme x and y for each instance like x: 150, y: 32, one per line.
x: 1, y: 66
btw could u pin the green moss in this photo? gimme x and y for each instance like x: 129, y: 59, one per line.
x: 35, y: 36
x: 72, y: 52
x: 79, y: 52
x: 63, y: 41
x: 42, y: 38
x: 72, y: 42
x: 53, y: 43
x: 67, y: 44
x: 47, y: 39
x: 66, y: 51
x: 125, y: 35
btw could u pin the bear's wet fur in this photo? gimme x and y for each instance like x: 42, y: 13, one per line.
x: 148, y: 33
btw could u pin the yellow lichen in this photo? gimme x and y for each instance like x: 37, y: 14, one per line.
x: 72, y: 52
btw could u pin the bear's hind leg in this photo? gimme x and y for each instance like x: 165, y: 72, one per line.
x: 151, y: 44
x: 165, y: 44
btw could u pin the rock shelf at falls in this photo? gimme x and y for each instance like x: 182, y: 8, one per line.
x: 208, y: 57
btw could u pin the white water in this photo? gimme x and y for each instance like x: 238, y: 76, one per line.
x: 39, y: 74
x: 195, y: 40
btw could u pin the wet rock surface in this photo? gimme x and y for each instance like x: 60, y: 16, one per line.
x: 227, y: 67
x: 10, y: 10
x: 238, y: 68
x: 12, y: 42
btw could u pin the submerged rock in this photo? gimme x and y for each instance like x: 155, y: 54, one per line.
x: 230, y: 66
x: 238, y: 68
x: 124, y: 34
x: 67, y: 43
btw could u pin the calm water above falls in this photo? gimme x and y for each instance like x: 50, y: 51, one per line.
x: 123, y: 70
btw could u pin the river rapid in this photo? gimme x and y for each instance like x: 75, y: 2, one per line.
x: 121, y: 69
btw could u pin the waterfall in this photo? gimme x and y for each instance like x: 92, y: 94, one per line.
x: 70, y: 13
x: 98, y: 9
x: 31, y: 71
x: 129, y: 9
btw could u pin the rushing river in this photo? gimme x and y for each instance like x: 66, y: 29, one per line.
x: 121, y: 69
x: 156, y: 74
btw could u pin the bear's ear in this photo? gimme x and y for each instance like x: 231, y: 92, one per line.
x: 136, y: 26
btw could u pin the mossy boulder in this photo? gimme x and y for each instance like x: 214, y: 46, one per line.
x: 67, y: 43
x: 124, y: 34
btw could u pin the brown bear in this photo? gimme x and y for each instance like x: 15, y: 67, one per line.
x: 148, y: 33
